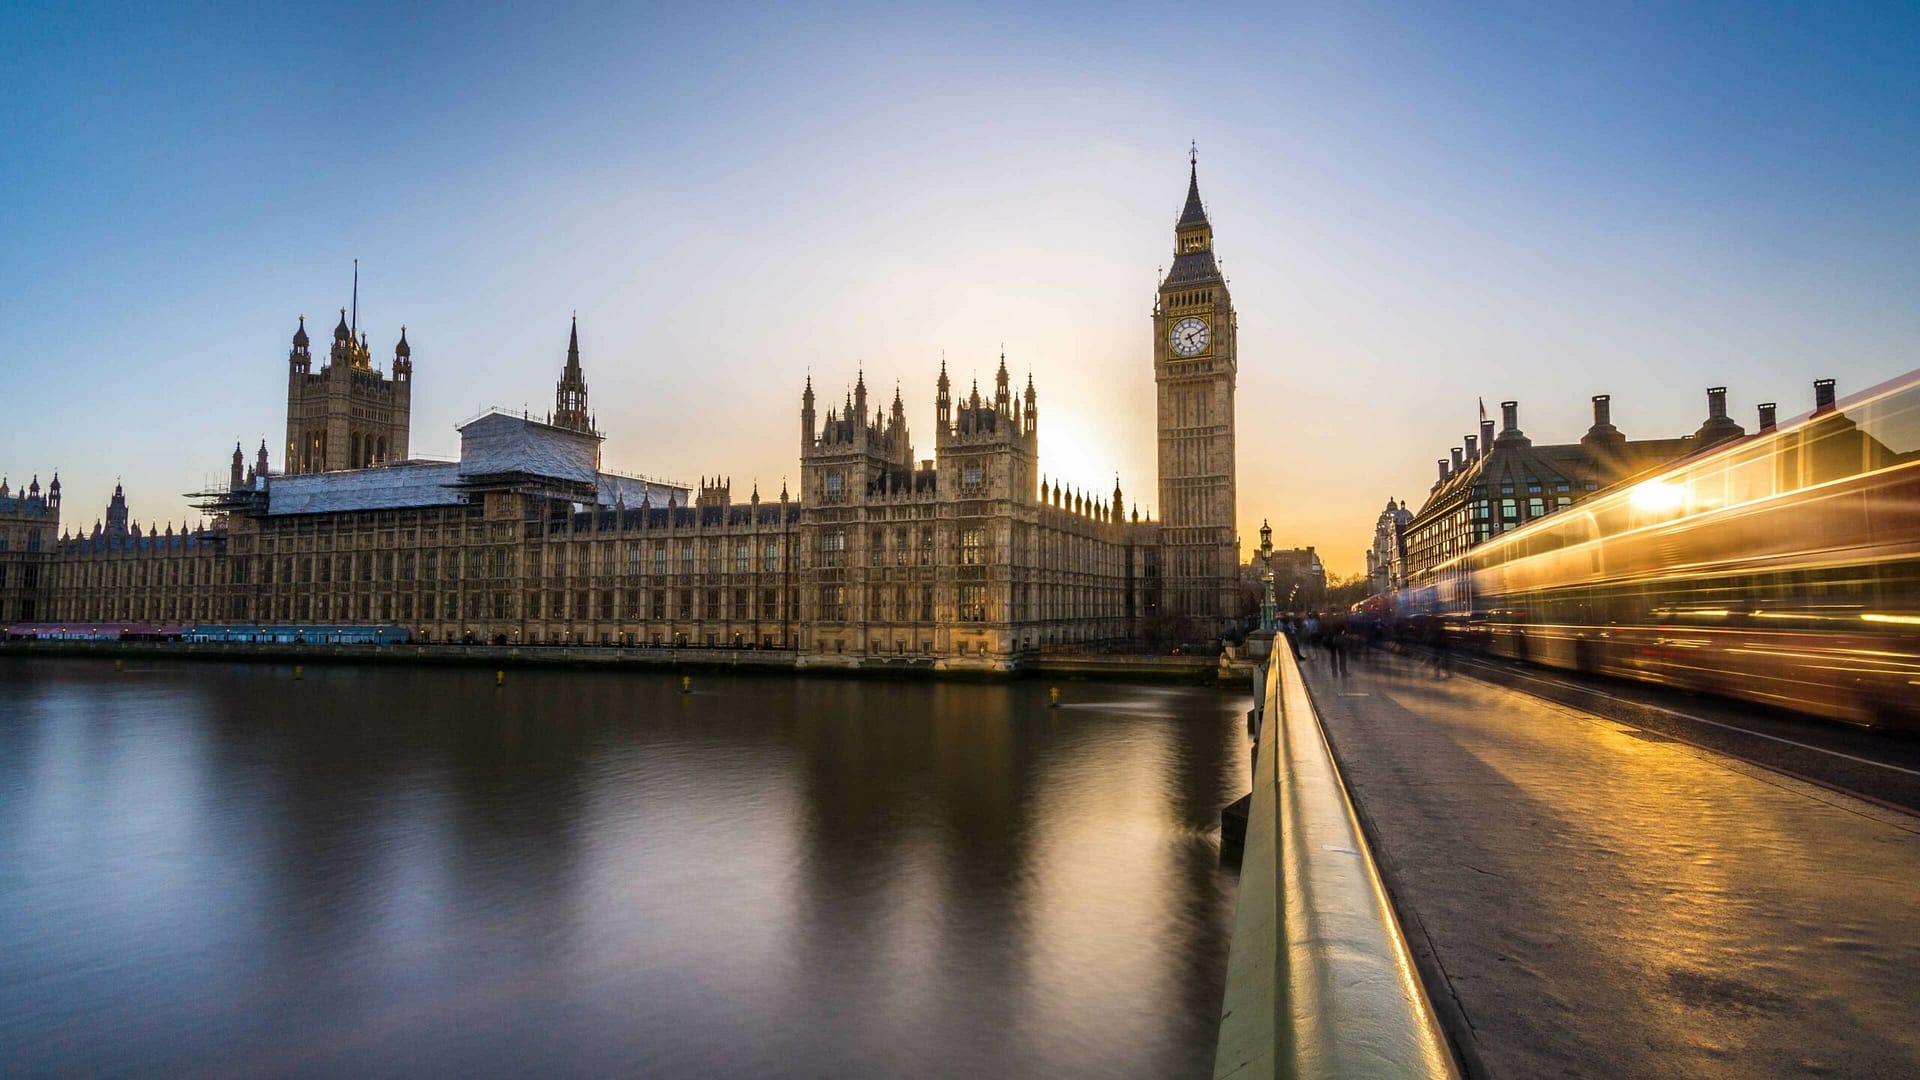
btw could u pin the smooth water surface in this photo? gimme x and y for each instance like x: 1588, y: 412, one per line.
x: 215, y: 869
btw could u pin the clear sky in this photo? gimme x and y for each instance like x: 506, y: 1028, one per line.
x: 1416, y: 207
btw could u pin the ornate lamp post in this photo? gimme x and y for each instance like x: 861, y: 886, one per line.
x: 1266, y: 575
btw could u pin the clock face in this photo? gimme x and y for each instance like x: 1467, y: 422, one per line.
x: 1189, y: 336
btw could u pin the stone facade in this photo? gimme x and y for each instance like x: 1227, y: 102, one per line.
x: 347, y: 415
x: 29, y: 526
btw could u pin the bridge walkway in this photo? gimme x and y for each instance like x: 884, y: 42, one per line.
x: 1589, y: 899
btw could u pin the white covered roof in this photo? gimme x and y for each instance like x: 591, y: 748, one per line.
x: 386, y: 487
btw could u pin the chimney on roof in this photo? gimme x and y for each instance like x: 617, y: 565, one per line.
x: 1443, y: 470
x: 1486, y: 437
x: 1718, y: 427
x: 1510, y: 433
x: 1822, y: 395
x: 1767, y: 409
x: 1457, y: 460
x: 1602, y: 410
x: 1473, y: 447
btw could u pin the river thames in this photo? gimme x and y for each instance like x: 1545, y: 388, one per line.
x: 215, y: 869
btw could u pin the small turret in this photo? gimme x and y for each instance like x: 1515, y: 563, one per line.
x: 236, y: 476
x: 943, y: 398
x: 808, y: 431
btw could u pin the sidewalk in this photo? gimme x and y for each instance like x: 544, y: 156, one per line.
x: 1610, y: 904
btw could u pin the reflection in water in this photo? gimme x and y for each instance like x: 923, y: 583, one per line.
x: 214, y: 868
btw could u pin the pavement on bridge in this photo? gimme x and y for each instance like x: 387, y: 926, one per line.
x: 1605, y: 902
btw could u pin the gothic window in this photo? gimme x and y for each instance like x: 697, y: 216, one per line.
x: 686, y: 557
x: 633, y: 560
x: 742, y: 556
x: 834, y: 483
x: 770, y: 557
x: 970, y: 478
x: 900, y: 549
x: 659, y: 608
x: 832, y: 543
x: 686, y: 603
x: 711, y: 608
x: 926, y: 546
x: 973, y: 603
x: 659, y: 560
x: 877, y: 550
x: 769, y: 603
x: 972, y: 552
x: 833, y: 603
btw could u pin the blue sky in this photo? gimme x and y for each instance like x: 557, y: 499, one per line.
x: 1416, y: 206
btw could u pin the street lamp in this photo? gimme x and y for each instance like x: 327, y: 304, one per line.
x: 1266, y: 575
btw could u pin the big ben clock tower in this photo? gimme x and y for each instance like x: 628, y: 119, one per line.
x: 1194, y: 362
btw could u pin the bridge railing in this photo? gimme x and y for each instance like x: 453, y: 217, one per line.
x: 1320, y: 982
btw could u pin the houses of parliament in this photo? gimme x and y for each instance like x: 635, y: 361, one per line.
x: 972, y: 557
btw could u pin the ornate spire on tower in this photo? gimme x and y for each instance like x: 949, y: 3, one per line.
x: 570, y: 394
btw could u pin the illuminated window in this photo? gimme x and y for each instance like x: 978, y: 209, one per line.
x: 971, y: 552
x: 973, y: 603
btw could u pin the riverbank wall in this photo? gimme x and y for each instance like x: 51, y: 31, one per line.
x: 1177, y: 669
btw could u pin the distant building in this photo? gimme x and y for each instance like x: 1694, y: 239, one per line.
x: 1387, y: 558
x: 29, y: 525
x: 1299, y: 580
x: 1497, y: 482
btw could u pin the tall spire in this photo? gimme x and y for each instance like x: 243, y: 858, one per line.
x: 570, y: 394
x: 1193, y: 213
